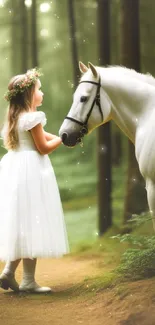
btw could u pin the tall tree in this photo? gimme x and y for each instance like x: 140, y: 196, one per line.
x: 34, y: 44
x: 135, y: 200
x: 72, y: 29
x: 104, y: 131
x: 16, y: 60
x: 115, y: 60
x: 24, y: 35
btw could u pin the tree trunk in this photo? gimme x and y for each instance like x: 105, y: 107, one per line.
x: 117, y: 152
x: 34, y: 47
x: 104, y: 131
x: 24, y: 35
x: 74, y: 53
x: 15, y: 39
x: 135, y: 200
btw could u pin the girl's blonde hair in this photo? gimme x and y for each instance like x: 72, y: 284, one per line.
x: 18, y: 104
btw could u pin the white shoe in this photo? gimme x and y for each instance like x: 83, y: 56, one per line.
x: 8, y: 281
x: 33, y: 287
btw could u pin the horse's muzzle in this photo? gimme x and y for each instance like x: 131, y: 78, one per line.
x: 70, y: 140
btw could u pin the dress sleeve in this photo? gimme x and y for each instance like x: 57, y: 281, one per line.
x: 29, y: 120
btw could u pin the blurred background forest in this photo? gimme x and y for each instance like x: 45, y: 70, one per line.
x: 38, y: 33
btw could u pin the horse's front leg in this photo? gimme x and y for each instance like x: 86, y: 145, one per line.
x: 150, y: 187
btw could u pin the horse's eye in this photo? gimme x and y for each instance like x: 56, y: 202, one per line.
x: 83, y: 99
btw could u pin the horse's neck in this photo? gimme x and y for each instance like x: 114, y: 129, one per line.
x: 130, y: 98
x: 128, y: 124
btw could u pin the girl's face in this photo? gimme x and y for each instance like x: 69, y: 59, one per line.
x: 37, y: 96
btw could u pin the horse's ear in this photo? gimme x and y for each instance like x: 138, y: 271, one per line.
x: 93, y: 69
x: 82, y: 67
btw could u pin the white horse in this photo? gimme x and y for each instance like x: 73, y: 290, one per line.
x: 128, y: 98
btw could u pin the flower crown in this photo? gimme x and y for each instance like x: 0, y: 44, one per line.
x: 31, y: 77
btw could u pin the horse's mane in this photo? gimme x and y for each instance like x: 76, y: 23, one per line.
x: 148, y: 78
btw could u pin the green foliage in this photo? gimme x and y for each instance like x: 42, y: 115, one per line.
x: 137, y: 262
x: 138, y: 220
x: 145, y: 242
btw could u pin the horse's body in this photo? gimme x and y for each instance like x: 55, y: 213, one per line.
x: 128, y: 98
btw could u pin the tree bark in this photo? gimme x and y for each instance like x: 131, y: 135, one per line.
x: 24, y: 35
x: 72, y: 29
x: 16, y: 59
x: 104, y: 131
x: 135, y: 200
x: 34, y: 47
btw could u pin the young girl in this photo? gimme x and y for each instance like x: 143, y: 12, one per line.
x: 31, y: 217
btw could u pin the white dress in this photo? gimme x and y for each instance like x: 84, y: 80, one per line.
x: 31, y: 216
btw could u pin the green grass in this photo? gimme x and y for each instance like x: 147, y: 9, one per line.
x: 81, y: 225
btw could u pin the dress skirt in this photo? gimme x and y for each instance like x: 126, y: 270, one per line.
x: 31, y: 216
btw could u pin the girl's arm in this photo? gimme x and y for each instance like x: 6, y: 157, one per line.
x: 43, y: 145
x: 49, y: 136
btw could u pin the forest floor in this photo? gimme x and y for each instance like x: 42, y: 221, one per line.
x: 75, y: 300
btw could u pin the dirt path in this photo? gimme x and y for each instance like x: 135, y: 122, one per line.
x: 128, y: 304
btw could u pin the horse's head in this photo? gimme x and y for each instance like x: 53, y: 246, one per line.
x: 86, y: 112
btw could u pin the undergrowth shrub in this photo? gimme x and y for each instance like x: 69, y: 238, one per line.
x: 138, y: 261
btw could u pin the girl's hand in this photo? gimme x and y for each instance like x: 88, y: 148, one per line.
x: 59, y: 140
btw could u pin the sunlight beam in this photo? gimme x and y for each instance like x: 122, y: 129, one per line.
x: 45, y: 7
